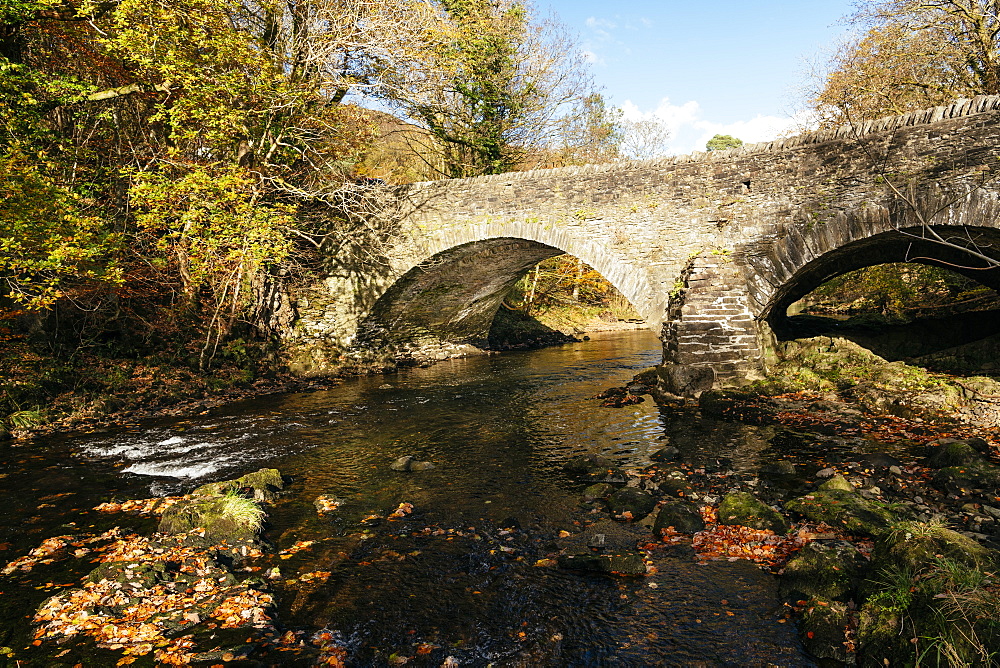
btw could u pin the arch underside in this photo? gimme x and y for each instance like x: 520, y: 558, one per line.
x: 907, y: 245
x: 452, y: 297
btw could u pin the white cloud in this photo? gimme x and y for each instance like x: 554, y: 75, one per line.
x: 690, y: 130
x: 596, y: 23
x: 591, y: 57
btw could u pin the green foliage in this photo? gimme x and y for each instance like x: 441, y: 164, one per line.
x: 592, y: 133
x: 943, y: 613
x: 482, y: 67
x: 723, y: 142
x: 49, y: 243
x: 223, y: 239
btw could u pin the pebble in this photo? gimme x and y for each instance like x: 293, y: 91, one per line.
x: 826, y: 473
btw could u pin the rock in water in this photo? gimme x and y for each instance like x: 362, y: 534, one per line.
x: 682, y: 516
x: 402, y: 464
x: 264, y: 485
x: 410, y: 463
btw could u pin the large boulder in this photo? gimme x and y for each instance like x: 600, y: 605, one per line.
x: 837, y: 503
x: 916, y: 545
x: 747, y: 510
x: 953, y: 452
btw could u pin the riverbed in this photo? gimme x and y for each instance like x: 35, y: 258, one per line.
x: 457, y: 579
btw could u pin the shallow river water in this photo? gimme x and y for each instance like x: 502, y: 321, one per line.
x: 458, y: 577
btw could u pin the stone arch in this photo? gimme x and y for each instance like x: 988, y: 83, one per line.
x: 451, y: 289
x: 805, y: 257
x: 613, y: 265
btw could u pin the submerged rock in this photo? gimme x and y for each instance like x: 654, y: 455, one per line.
x: 628, y: 563
x: 604, y: 547
x: 410, y: 463
x: 599, y: 490
x: 636, y: 502
x: 588, y: 464
x: 667, y: 454
x: 822, y: 630
x: 745, y: 509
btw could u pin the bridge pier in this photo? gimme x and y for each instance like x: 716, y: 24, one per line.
x: 711, y: 338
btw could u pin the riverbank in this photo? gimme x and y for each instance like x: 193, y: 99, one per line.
x: 879, y: 510
x: 92, y: 391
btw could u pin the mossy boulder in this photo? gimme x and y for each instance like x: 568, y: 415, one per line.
x: 952, y: 452
x: 960, y: 479
x: 223, y: 518
x: 838, y: 507
x: 747, y: 510
x: 822, y: 629
x: 825, y: 569
x: 837, y: 483
x: 917, y: 545
x: 683, y: 517
x: 734, y: 404
x: 632, y: 500
x: 263, y: 485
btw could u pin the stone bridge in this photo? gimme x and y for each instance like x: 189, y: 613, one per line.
x: 710, y: 248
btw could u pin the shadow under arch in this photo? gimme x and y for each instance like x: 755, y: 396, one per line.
x: 453, y: 296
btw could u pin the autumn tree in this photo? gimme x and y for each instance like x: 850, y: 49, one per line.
x: 590, y: 133
x: 645, y: 138
x: 493, y: 87
x: 912, y: 54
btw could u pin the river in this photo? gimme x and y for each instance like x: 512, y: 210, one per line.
x: 457, y: 577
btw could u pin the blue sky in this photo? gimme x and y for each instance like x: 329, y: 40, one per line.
x: 705, y: 67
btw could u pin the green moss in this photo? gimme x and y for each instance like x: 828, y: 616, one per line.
x: 746, y: 510
x: 223, y: 518
x: 845, y: 509
x: 918, y: 545
x: 830, y: 570
x: 265, y: 483
x: 837, y: 483
x: 931, y: 601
